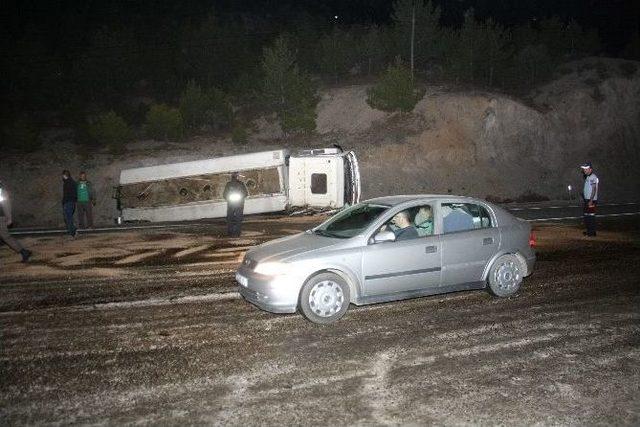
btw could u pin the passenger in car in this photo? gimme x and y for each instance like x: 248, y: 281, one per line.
x: 424, y: 221
x: 456, y: 219
x: 405, y: 229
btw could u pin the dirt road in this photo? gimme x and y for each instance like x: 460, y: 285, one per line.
x: 147, y: 327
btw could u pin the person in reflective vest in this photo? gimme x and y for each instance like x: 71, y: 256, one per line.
x: 234, y: 193
x: 590, y: 197
x: 5, y: 221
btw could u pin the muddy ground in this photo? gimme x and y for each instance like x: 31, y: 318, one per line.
x: 146, y: 327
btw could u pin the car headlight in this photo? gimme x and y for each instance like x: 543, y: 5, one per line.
x: 1, y: 196
x: 272, y: 268
x: 234, y: 197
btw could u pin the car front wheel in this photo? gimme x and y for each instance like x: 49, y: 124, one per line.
x: 324, y: 298
x: 505, y: 276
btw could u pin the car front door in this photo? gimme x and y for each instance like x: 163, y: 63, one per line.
x: 401, y: 266
x: 468, y: 248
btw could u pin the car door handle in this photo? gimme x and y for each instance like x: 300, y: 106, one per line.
x: 431, y: 249
x: 487, y: 241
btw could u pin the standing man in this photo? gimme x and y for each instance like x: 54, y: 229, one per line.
x: 590, y: 197
x: 86, y: 200
x: 234, y: 193
x: 5, y: 222
x: 69, y: 199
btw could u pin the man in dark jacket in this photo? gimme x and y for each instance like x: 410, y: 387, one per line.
x: 69, y: 199
x: 5, y: 222
x: 234, y: 193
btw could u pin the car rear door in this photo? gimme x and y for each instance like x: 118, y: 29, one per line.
x: 466, y: 252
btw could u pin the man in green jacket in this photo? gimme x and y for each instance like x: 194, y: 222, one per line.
x: 86, y: 201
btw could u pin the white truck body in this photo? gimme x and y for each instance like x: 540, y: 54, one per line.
x: 276, y: 180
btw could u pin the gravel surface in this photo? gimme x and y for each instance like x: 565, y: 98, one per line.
x: 147, y: 327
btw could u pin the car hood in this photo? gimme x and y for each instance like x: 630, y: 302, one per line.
x: 287, y: 247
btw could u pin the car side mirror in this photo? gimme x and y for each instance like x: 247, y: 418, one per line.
x: 384, y: 236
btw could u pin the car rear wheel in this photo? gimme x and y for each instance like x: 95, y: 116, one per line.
x: 324, y: 298
x: 505, y: 276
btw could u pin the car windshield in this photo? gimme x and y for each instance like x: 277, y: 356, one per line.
x: 351, y: 221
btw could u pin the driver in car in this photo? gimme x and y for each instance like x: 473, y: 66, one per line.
x: 405, y: 229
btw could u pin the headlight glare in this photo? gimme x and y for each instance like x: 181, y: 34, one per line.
x: 272, y: 268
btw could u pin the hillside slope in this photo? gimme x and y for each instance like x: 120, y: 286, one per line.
x: 488, y: 144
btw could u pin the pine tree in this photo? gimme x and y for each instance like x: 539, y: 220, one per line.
x: 417, y: 21
x: 289, y: 92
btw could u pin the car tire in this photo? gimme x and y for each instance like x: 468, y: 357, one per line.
x: 324, y: 298
x: 505, y: 276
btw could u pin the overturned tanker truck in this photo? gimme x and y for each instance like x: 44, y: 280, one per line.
x: 276, y: 180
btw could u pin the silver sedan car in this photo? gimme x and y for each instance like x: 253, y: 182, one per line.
x: 388, y: 249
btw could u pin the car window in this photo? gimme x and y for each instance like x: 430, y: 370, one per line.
x: 464, y: 216
x: 318, y: 183
x: 351, y: 221
x: 403, y: 224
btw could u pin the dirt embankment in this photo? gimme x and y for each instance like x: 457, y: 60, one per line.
x: 488, y: 144
x: 462, y: 142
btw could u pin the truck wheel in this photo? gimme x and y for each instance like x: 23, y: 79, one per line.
x: 505, y: 276
x: 324, y: 298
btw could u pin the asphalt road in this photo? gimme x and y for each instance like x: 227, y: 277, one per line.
x: 567, y: 211
x: 145, y: 326
x: 535, y: 212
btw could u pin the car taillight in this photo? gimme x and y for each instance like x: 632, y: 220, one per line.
x: 532, y: 239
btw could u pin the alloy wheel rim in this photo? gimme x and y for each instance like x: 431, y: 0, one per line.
x: 507, y: 276
x: 326, y: 298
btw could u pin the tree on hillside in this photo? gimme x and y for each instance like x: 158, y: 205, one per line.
x: 579, y: 42
x: 305, y: 31
x: 372, y: 49
x: 109, y: 67
x: 534, y: 63
x: 200, y: 107
x: 494, y: 50
x: 417, y: 30
x: 478, y: 51
x: 462, y: 49
x: 337, y: 51
x: 551, y: 33
x: 214, y: 53
x: 395, y: 90
x: 289, y: 92
x: 567, y: 40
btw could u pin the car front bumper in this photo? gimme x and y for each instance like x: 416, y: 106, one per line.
x: 276, y: 294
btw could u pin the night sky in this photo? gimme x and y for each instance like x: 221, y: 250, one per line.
x: 615, y: 20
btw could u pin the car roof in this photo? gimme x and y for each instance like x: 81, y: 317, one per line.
x: 399, y: 199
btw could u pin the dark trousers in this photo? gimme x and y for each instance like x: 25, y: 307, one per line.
x: 589, y: 215
x: 234, y: 220
x: 7, y: 238
x: 68, y: 209
x: 85, y: 212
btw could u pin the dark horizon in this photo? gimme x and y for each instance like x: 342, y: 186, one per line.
x: 615, y: 20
